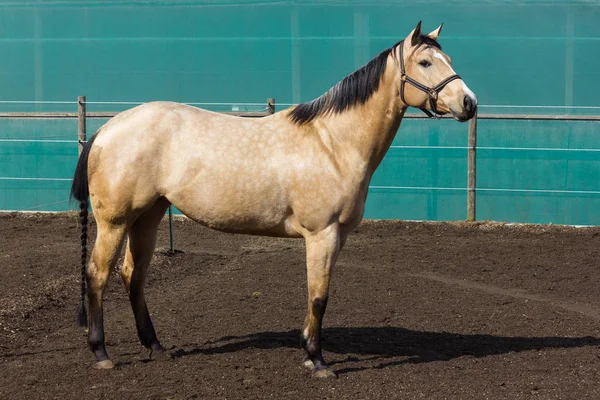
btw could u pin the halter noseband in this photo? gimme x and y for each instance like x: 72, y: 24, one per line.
x: 431, y: 92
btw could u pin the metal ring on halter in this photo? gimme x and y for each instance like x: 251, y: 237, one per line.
x: 432, y: 93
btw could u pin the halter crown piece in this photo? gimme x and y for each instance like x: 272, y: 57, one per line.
x: 432, y: 93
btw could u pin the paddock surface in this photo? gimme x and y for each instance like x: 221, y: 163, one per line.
x: 416, y: 310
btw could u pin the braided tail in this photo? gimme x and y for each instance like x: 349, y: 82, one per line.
x: 83, y: 216
x: 80, y: 191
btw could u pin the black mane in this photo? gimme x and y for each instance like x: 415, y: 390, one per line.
x: 354, y: 89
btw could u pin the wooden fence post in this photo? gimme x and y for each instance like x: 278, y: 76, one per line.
x: 472, y: 167
x: 81, y: 128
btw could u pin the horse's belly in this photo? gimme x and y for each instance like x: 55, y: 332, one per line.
x: 251, y: 227
x: 262, y: 212
x: 248, y: 223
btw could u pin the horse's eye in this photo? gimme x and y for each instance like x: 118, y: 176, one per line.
x: 424, y: 63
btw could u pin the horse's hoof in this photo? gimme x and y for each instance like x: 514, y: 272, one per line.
x: 308, y: 364
x: 160, y: 355
x: 324, y: 373
x: 104, y: 364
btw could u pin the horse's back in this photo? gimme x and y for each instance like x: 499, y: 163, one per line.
x: 253, y: 175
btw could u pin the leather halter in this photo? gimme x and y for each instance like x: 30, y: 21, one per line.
x: 432, y: 93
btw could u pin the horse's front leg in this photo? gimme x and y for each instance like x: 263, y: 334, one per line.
x: 322, y: 249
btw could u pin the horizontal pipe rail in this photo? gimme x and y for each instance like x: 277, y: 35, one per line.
x: 538, y: 117
x: 109, y: 114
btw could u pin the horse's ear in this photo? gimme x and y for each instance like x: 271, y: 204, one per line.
x: 415, y: 35
x: 434, y: 35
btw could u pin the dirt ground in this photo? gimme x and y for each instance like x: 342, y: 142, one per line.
x: 416, y: 310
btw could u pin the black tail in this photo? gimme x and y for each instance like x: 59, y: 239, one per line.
x: 80, y: 191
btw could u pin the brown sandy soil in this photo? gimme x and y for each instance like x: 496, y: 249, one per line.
x: 416, y: 310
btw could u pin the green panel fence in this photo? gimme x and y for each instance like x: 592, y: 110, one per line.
x: 530, y: 56
x: 37, y: 159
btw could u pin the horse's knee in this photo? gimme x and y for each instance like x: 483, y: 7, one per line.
x: 319, y: 304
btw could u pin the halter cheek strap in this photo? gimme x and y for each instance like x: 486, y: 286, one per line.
x: 432, y: 93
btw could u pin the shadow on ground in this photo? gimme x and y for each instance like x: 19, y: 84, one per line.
x: 392, y: 345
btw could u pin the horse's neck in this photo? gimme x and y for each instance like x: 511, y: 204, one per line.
x: 369, y: 129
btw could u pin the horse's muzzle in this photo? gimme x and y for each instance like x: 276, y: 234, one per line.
x: 468, y: 111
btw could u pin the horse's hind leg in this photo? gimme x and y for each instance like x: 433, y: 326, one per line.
x: 140, y: 248
x: 104, y: 257
x: 322, y: 249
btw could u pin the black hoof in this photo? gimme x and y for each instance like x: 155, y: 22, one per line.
x: 160, y: 354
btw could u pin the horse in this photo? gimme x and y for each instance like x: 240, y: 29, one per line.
x: 302, y: 172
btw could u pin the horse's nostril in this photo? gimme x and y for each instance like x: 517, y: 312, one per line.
x: 468, y: 103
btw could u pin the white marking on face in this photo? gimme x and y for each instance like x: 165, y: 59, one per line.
x: 469, y: 93
x: 437, y: 55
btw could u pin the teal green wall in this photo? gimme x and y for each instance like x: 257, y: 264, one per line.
x: 509, y: 52
x: 496, y: 169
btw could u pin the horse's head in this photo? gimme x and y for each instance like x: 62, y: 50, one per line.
x: 427, y: 80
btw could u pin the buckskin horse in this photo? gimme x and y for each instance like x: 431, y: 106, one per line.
x: 303, y: 172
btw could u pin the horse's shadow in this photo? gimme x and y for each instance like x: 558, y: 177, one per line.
x: 392, y: 345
